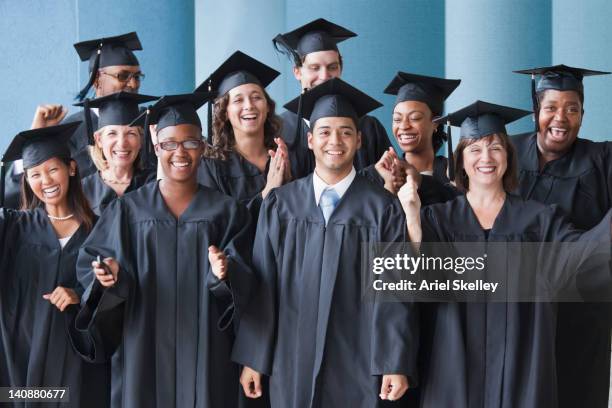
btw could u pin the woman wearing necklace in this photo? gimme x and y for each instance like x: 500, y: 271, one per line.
x: 248, y: 157
x: 116, y: 150
x: 39, y: 291
x: 499, y: 350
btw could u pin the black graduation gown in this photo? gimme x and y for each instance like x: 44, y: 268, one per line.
x: 36, y: 348
x: 242, y: 180
x: 170, y: 313
x: 307, y: 325
x: 79, y: 142
x: 502, y: 354
x: 581, y: 184
x: 374, y: 141
x: 100, y: 195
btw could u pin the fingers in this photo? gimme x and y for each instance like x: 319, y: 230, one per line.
x: 251, y: 382
x: 385, y: 387
x: 62, y: 297
x: 105, y: 279
x: 218, y: 262
x: 399, y: 386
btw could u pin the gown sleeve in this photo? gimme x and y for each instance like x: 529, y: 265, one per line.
x: 573, y: 259
x: 395, y: 328
x: 255, y: 342
x: 100, y: 320
x: 232, y: 293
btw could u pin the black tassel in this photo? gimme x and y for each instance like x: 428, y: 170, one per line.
x: 209, y: 136
x: 88, y: 125
x: 2, y: 176
x: 92, y: 77
x: 286, y: 49
x: 146, y: 150
x: 534, y: 100
x: 297, y: 141
x: 451, y: 160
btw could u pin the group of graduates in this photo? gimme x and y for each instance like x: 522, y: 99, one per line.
x: 144, y: 266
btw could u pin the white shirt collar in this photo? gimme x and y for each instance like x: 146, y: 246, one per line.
x: 340, y: 187
x: 96, y: 111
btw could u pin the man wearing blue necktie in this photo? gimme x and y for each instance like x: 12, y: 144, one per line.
x: 308, y: 326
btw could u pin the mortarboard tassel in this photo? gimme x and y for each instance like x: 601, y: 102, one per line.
x: 534, y: 100
x: 2, y: 175
x: 88, y: 125
x: 209, y: 119
x: 92, y: 76
x: 451, y: 160
x: 286, y: 49
x: 298, y: 126
x: 146, y: 151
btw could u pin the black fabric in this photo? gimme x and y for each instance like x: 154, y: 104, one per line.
x: 502, y: 354
x: 120, y: 108
x: 560, y: 77
x: 79, y: 142
x: 580, y: 182
x: 171, y: 315
x: 430, y: 90
x: 242, y: 180
x: 307, y: 325
x: 35, y: 345
x: 100, y: 195
x: 12, y: 183
x: 374, y: 140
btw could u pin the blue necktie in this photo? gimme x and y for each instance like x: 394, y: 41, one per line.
x: 329, y: 200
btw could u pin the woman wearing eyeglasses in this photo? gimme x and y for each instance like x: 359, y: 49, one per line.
x: 248, y: 157
x: 116, y: 150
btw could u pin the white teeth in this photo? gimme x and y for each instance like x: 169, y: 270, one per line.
x: 51, y: 190
x: 334, y: 153
x: 406, y: 138
x: 558, y: 132
x: 180, y: 164
x: 486, y: 169
x: 249, y: 117
x: 121, y: 153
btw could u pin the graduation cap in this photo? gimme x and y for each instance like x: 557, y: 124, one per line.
x: 37, y: 146
x: 558, y: 77
x: 318, y: 35
x: 238, y: 69
x: 106, y: 52
x: 120, y: 108
x: 333, y: 98
x: 431, y: 91
x: 172, y: 110
x: 479, y: 120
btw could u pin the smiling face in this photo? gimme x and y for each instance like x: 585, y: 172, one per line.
x: 317, y: 68
x: 559, y: 120
x: 485, y: 161
x: 247, y: 109
x: 180, y: 165
x: 413, y: 127
x: 109, y: 84
x: 50, y: 180
x: 119, y: 144
x: 334, y: 142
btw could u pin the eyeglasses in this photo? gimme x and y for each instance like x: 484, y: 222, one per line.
x: 187, y: 145
x: 125, y: 76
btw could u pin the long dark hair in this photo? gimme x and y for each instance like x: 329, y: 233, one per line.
x: 223, y: 133
x: 76, y: 198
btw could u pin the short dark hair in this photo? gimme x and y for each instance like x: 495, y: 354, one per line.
x: 510, y: 178
x: 540, y: 97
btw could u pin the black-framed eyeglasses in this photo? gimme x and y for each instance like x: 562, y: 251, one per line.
x: 125, y: 76
x: 187, y: 145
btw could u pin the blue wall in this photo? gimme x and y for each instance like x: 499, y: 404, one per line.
x: 480, y: 41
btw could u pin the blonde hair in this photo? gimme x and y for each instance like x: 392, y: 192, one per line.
x: 97, y: 155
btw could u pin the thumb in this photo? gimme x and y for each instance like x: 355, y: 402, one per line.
x: 257, y: 385
x: 213, y: 249
x: 384, y: 388
x: 46, y: 296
